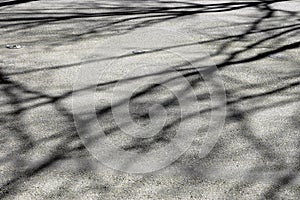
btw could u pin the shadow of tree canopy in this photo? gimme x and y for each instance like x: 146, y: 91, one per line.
x: 14, y: 2
x: 268, y: 36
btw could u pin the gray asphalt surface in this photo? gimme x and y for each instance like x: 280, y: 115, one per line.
x: 254, y: 45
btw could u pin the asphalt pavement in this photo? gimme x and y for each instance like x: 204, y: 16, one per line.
x: 149, y: 99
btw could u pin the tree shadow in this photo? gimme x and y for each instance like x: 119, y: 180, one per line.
x: 271, y: 32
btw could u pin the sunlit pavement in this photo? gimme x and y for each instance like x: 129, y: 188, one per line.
x: 254, y: 45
